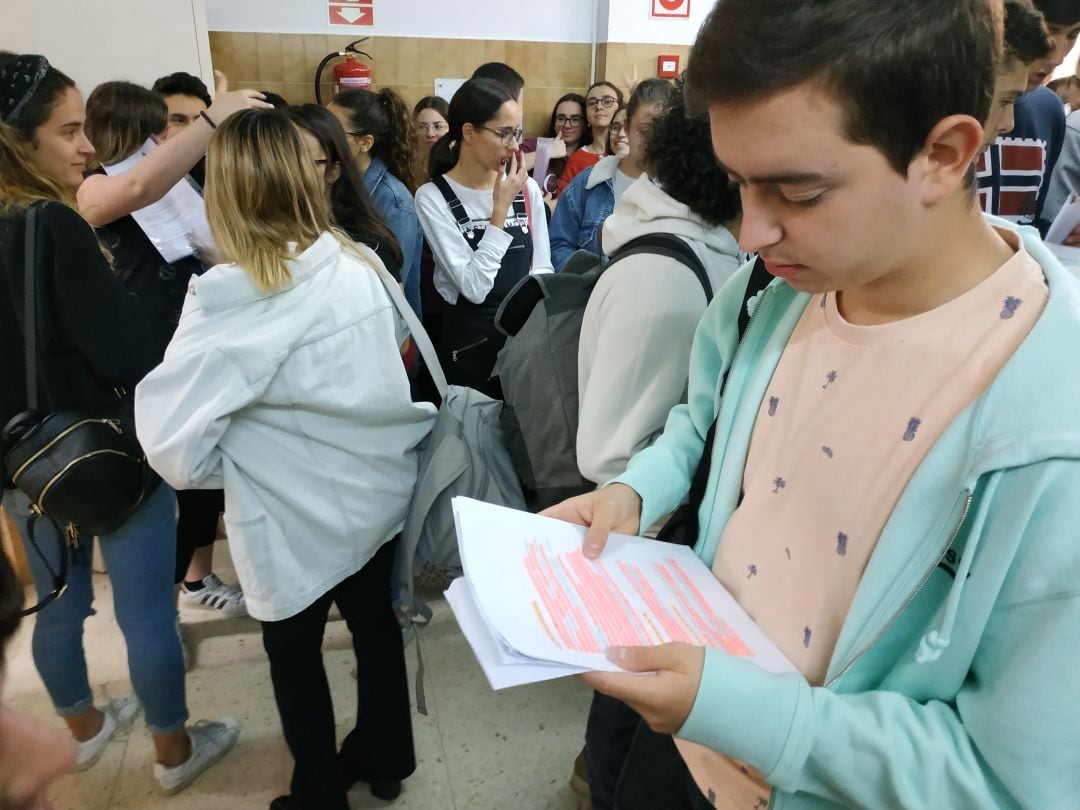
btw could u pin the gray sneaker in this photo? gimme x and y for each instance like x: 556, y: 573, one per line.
x: 119, y: 715
x: 209, y: 743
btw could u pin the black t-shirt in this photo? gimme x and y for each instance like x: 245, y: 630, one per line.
x: 160, y: 286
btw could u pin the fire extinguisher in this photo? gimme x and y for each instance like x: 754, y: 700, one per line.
x: 352, y: 74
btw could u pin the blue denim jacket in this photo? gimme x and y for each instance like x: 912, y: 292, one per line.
x: 577, y: 223
x: 395, y: 205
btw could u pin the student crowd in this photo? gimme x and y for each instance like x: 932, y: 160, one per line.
x: 877, y: 446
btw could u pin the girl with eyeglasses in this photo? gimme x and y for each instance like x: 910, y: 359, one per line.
x: 483, y: 217
x: 570, y: 129
x: 602, y: 101
x: 382, y: 139
x: 591, y: 197
x: 350, y: 204
x: 432, y: 114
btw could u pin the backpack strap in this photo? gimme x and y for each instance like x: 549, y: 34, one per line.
x: 666, y: 244
x: 684, y: 526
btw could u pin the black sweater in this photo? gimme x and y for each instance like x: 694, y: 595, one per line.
x: 93, y: 335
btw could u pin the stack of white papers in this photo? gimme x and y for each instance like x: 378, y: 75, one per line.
x: 533, y: 607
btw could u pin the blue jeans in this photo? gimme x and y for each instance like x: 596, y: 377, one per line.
x: 140, y: 556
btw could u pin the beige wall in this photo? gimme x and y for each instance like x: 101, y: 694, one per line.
x: 285, y: 64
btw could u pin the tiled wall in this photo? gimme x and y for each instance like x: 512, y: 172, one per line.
x: 285, y: 64
x: 625, y: 63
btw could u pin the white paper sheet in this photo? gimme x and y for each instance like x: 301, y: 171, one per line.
x: 540, y: 599
x: 1065, y: 222
x: 484, y: 646
x: 176, y: 224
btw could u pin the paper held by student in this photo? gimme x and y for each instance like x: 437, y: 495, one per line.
x: 533, y: 607
x: 176, y: 224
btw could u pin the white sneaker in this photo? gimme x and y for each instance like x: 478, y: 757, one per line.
x: 209, y: 743
x: 119, y: 715
x: 215, y: 595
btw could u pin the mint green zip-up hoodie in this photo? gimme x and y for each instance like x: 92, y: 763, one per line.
x: 955, y: 682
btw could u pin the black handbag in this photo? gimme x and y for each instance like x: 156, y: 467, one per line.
x: 84, y: 470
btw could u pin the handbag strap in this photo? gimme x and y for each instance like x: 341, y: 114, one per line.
x: 416, y: 329
x: 30, y: 307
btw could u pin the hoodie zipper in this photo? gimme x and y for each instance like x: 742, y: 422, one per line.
x: 969, y: 497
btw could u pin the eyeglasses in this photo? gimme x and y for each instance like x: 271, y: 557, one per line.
x: 616, y: 128
x: 426, y: 128
x: 563, y: 120
x: 607, y: 102
x: 508, y: 136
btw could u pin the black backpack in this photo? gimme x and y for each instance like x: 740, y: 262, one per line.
x: 538, y: 367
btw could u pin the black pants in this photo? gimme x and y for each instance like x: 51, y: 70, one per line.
x: 197, y: 524
x: 380, y: 747
x: 655, y: 775
x: 608, y: 734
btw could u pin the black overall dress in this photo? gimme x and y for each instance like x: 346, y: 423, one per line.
x: 470, y: 342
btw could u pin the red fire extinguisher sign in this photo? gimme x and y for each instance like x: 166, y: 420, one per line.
x: 351, y: 12
x: 671, y: 8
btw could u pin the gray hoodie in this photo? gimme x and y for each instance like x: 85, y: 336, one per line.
x: 634, y: 351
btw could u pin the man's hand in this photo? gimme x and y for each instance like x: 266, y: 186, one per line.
x: 1073, y: 239
x: 664, y: 696
x: 614, y: 508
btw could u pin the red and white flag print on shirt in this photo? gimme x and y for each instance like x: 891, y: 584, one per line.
x: 1010, y: 175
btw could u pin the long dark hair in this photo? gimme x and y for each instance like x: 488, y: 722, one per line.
x: 386, y: 118
x: 349, y: 201
x: 476, y: 103
x: 577, y: 98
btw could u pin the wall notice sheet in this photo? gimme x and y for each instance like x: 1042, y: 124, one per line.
x: 533, y: 607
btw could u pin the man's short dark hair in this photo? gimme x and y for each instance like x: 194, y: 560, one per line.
x: 1059, y: 12
x: 1026, y: 38
x: 503, y: 74
x: 182, y: 84
x: 896, y: 67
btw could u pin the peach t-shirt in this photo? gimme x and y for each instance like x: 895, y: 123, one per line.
x: 850, y: 413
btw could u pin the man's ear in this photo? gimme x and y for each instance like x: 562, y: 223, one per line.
x: 945, y: 161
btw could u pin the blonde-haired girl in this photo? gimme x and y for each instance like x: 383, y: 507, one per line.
x: 284, y: 383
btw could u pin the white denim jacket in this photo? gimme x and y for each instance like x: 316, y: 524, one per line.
x: 297, y: 403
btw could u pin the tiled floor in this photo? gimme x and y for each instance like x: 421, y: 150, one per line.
x: 476, y: 749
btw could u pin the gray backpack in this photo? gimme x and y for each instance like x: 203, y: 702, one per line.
x: 463, y: 455
x: 538, y: 367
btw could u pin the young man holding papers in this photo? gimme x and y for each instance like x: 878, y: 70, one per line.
x: 894, y: 487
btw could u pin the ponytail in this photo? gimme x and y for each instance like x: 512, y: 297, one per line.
x: 476, y: 103
x: 444, y: 155
x: 399, y: 148
x: 385, y: 117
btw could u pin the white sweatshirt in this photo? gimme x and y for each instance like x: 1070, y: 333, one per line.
x: 634, y: 350
x: 297, y: 403
x: 459, y: 270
